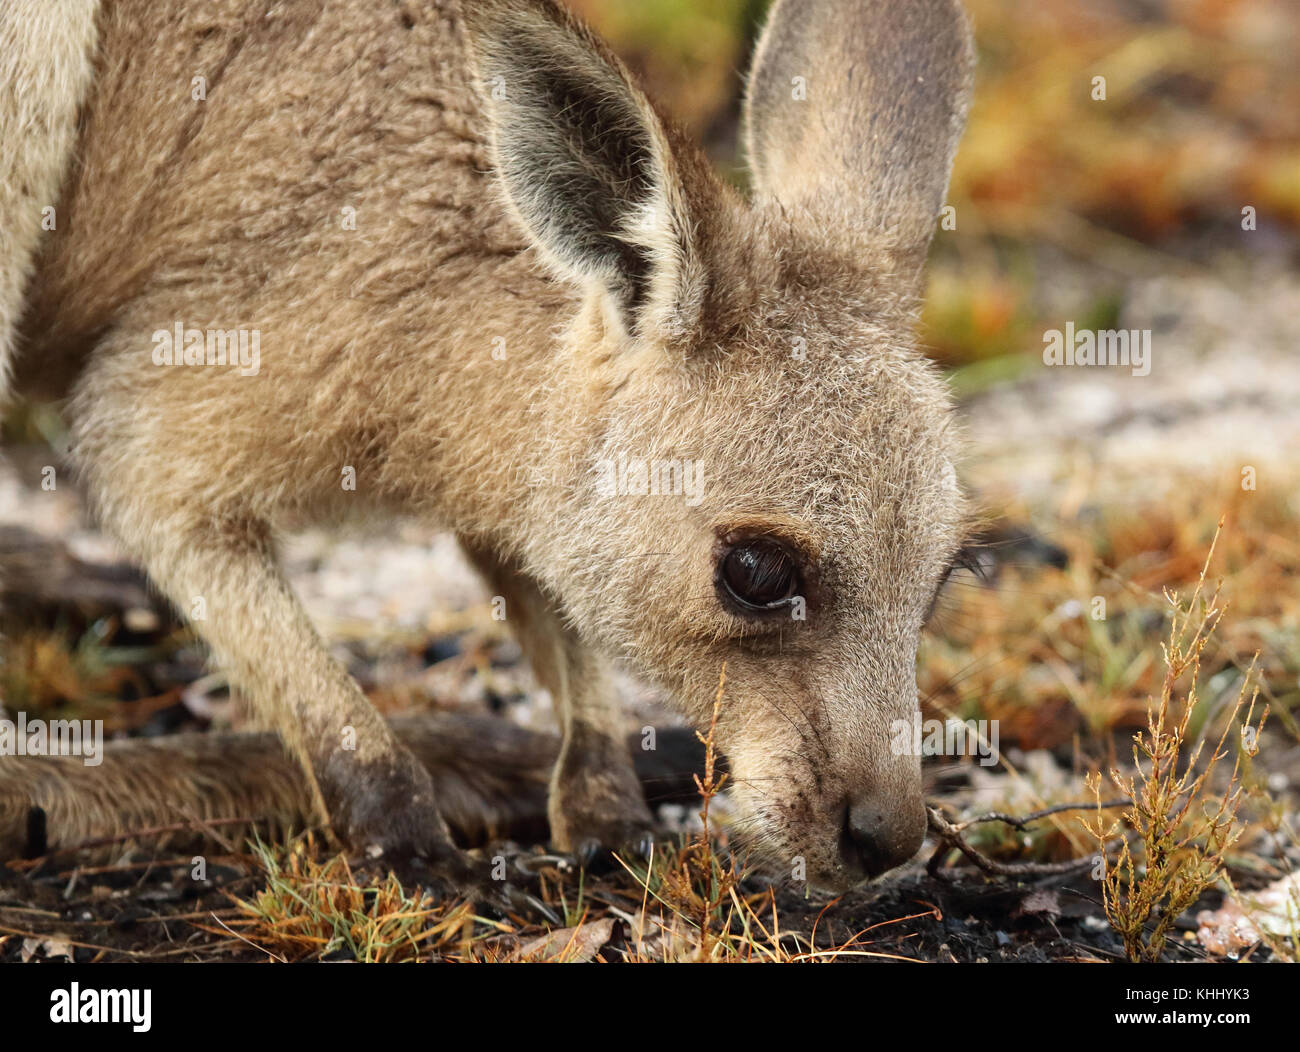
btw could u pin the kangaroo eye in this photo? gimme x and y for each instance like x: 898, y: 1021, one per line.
x: 759, y: 575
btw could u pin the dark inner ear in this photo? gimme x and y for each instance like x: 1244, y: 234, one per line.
x: 579, y: 161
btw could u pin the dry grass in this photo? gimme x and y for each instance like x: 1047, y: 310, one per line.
x: 696, y: 884
x: 1071, y: 657
x: 1174, y: 837
x: 1031, y: 655
x: 311, y: 908
x: 687, y: 903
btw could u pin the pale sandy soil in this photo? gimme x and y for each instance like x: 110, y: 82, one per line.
x: 1223, y: 393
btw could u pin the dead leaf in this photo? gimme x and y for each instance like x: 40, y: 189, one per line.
x: 1040, y: 902
x: 50, y: 948
x: 1275, y: 910
x: 568, y: 945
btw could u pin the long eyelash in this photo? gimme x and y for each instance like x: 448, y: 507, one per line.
x: 968, y: 558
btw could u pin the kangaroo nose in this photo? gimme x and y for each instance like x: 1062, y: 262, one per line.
x: 879, y: 837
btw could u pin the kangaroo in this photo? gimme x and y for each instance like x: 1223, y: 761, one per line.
x: 491, y: 287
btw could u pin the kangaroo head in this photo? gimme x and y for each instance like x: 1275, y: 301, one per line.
x: 766, y: 464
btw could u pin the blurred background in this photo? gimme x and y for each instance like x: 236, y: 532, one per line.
x: 1171, y: 204
x: 1201, y: 118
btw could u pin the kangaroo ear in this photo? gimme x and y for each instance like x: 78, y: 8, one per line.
x: 606, y: 192
x: 854, y: 110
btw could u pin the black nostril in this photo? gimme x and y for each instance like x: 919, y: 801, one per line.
x: 858, y: 844
x: 873, y: 841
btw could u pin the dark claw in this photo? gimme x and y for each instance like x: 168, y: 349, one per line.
x: 505, y: 899
x: 533, y: 902
x: 597, y: 857
x: 587, y: 853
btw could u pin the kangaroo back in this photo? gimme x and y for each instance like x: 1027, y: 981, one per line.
x: 46, y: 57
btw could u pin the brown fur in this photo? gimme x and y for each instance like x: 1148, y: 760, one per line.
x: 46, y: 49
x: 646, y: 310
x: 219, y: 787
